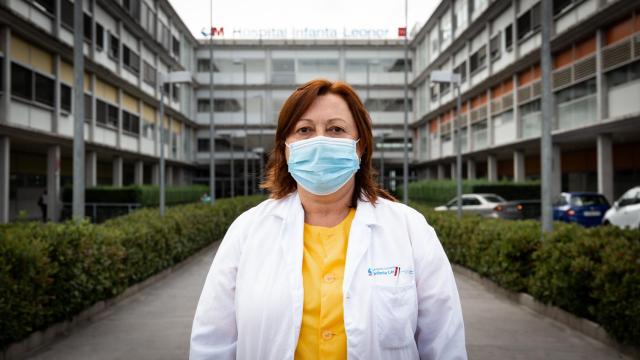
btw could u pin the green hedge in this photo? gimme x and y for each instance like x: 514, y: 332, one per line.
x: 145, y: 195
x: 438, y: 192
x: 593, y: 273
x: 50, y: 272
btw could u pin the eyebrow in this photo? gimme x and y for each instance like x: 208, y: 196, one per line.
x: 328, y: 121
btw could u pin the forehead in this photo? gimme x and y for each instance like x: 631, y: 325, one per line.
x: 327, y: 107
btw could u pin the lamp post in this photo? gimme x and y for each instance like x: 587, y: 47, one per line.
x: 405, y: 163
x: 212, y: 131
x: 172, y: 77
x: 244, y: 109
x: 454, y: 80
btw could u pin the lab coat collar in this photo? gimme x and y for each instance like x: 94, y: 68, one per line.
x: 291, y: 205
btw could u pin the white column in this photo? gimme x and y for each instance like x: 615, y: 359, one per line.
x: 155, y: 174
x: 5, y: 151
x: 440, y: 171
x: 138, y: 173
x: 518, y: 166
x: 53, y: 182
x: 117, y: 171
x: 453, y: 170
x: 91, y: 169
x: 492, y: 168
x: 556, y: 171
x: 605, y: 166
x: 471, y: 169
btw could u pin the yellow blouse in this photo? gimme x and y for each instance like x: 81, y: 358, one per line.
x: 322, y: 334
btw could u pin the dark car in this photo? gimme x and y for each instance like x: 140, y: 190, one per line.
x: 518, y: 210
x: 584, y: 208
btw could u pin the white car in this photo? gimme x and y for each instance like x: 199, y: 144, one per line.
x: 625, y: 212
x: 482, y: 204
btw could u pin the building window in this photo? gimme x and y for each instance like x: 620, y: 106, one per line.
x: 560, y: 5
x: 462, y: 70
x: 106, y: 114
x: 387, y: 105
x: 176, y: 46
x: 87, y: 28
x: 174, y: 144
x: 203, y: 105
x: 65, y: 97
x: 88, y: 108
x: 21, y: 82
x: 478, y: 60
x: 149, y: 130
x: 433, y: 90
x: 220, y: 105
x: 444, y: 88
x: 529, y: 22
x: 165, y: 38
x: 99, y: 37
x: 577, y: 91
x: 46, y: 5
x: 148, y: 19
x: 149, y: 74
x: 494, y: 47
x: 114, y: 47
x: 203, y: 66
x: 508, y: 37
x: 176, y: 92
x: 203, y: 145
x: 624, y: 74
x: 66, y: 13
x: 130, y: 60
x: 460, y: 16
x: 132, y: 7
x: 445, y: 29
x: 45, y: 90
x: 130, y: 122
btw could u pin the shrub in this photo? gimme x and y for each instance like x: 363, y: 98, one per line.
x: 145, y: 195
x: 593, y: 273
x: 50, y: 272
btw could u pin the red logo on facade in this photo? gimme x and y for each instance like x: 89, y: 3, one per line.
x: 402, y: 31
x: 217, y: 31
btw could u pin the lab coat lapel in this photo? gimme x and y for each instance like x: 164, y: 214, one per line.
x: 291, y: 242
x: 359, y: 240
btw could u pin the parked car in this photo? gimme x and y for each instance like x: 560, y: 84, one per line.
x: 518, y: 210
x: 482, y: 204
x: 626, y: 211
x: 584, y: 208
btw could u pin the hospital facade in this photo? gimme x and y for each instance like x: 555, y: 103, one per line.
x: 494, y: 45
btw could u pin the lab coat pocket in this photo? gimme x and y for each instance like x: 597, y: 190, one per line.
x: 393, y: 308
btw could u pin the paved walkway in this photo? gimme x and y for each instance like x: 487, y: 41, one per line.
x: 156, y: 324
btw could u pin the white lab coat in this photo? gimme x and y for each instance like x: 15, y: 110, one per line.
x: 251, y: 304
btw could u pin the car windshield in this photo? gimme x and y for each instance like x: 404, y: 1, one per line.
x: 588, y: 200
x: 494, y: 199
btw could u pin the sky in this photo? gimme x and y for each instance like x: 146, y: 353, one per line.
x: 319, y: 19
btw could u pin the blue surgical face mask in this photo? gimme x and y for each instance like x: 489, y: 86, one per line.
x: 322, y: 165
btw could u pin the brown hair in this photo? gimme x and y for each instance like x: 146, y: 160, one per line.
x: 278, y: 180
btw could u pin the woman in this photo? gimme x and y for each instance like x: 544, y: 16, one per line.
x: 330, y: 266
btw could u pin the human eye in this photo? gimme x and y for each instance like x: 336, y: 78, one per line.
x: 303, y: 130
x: 336, y: 129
